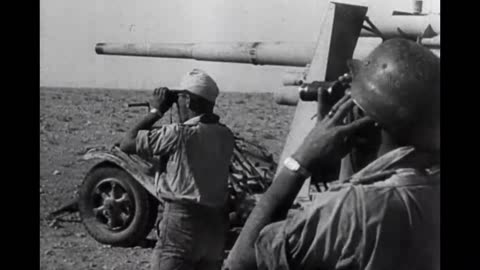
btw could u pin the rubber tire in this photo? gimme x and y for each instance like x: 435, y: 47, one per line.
x: 145, y: 208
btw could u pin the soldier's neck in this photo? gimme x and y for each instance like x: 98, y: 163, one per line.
x: 388, y: 144
x: 186, y: 115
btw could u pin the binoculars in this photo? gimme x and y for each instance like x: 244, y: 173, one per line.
x: 331, y: 91
x: 171, y: 95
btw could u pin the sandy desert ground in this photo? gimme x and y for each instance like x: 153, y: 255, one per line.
x: 73, y: 120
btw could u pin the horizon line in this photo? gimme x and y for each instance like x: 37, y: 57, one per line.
x: 140, y: 89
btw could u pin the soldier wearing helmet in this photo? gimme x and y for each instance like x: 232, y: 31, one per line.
x: 385, y: 216
x: 191, y: 234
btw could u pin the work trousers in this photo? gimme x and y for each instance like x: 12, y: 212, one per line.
x: 190, y: 236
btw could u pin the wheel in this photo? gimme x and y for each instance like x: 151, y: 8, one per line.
x: 115, y: 209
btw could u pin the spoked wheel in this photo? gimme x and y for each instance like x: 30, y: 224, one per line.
x: 116, y: 209
x: 112, y: 204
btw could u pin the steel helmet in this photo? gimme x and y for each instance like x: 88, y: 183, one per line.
x: 398, y: 85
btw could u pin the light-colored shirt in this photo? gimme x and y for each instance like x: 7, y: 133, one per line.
x: 199, y: 158
x: 388, y: 224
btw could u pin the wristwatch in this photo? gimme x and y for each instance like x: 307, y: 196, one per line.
x: 156, y: 111
x: 294, y: 166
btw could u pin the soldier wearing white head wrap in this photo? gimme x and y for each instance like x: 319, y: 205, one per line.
x: 194, y: 187
x: 201, y: 84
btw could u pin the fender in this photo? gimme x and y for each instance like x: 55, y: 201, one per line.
x: 141, y: 170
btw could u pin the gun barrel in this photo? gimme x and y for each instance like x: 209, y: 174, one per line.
x: 257, y: 53
x: 166, y: 50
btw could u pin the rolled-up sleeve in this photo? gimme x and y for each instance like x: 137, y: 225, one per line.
x: 159, y: 141
x: 327, y: 234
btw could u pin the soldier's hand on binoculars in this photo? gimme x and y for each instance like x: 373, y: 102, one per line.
x: 327, y: 97
x: 160, y: 99
x: 327, y: 141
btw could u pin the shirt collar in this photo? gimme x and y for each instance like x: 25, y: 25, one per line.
x: 193, y: 121
x: 385, y: 162
x: 399, y: 159
x: 207, y: 118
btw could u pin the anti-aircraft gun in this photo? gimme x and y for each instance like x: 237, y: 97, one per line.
x: 325, y: 60
x: 343, y: 23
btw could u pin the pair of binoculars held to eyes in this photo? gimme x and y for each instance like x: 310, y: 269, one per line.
x: 173, y: 94
x: 331, y: 91
x: 170, y: 95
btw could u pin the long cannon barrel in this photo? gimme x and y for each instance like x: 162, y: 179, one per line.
x: 257, y: 53
x: 426, y: 26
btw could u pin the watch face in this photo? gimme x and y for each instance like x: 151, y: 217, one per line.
x: 292, y: 164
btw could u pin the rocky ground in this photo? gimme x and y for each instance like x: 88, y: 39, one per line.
x: 74, y: 120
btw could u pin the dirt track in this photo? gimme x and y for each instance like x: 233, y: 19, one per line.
x: 72, y: 120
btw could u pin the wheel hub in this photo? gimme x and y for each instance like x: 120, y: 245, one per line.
x: 112, y: 205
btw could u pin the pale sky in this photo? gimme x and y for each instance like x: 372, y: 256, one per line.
x: 69, y: 30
